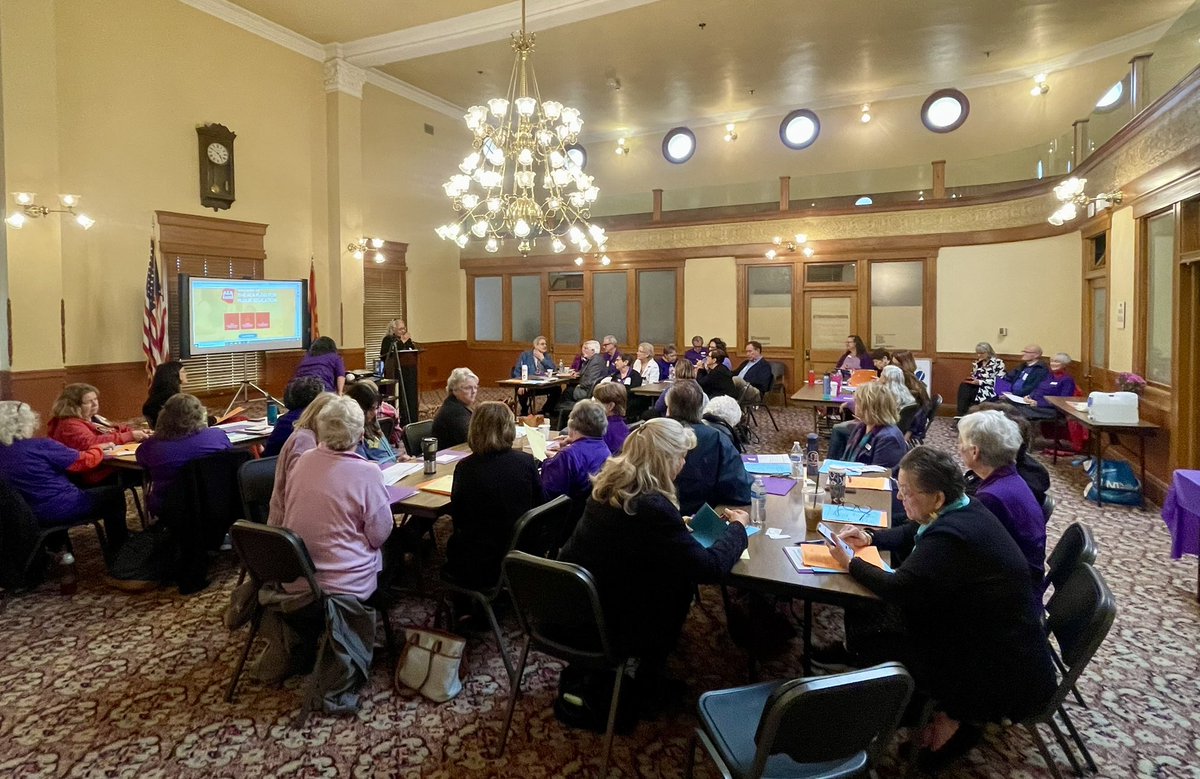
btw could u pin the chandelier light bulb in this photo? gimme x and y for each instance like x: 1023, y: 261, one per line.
x: 69, y: 201
x: 461, y: 241
x: 557, y: 159
x: 379, y: 257
x: 552, y: 109
x: 525, y: 157
x: 493, y: 205
x: 585, y: 245
x: 809, y: 251
x: 470, y: 162
x: 470, y: 200
x: 579, y: 261
x: 359, y: 254
x: 376, y: 243
x: 1040, y: 87
x: 777, y: 240
x: 772, y: 254
x: 479, y: 228
x: 622, y: 147
x: 498, y: 106
x: 16, y: 220
x: 526, y: 106
x: 557, y: 245
x: 521, y: 228
x: 866, y: 113
x: 24, y: 198
x: 730, y: 132
x: 605, y: 260
x: 492, y: 245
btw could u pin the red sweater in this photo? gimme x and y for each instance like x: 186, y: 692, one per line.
x: 85, y: 436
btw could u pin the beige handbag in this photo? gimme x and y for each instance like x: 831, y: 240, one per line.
x: 431, y: 663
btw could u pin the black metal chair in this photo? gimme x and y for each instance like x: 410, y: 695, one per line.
x: 387, y: 425
x: 23, y: 536
x: 1078, y: 617
x: 921, y: 427
x: 256, y: 481
x: 535, y: 532
x: 824, y: 726
x: 778, y: 381
x: 200, y: 507
x: 750, y: 398
x: 414, y: 432
x: 1048, y: 505
x: 272, y: 555
x: 1075, y: 546
x: 559, y: 610
x: 907, y: 414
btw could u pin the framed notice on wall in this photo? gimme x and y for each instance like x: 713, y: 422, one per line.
x: 829, y: 322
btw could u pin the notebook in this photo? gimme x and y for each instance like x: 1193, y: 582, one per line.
x: 816, y: 558
x: 441, y: 485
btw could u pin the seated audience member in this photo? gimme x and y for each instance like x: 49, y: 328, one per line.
x: 1030, y: 374
x: 1032, y: 471
x: 669, y: 360
x: 302, y: 439
x: 645, y: 365
x: 988, y: 442
x: 537, y: 360
x: 593, y: 371
x: 714, y: 473
x: 623, y: 372
x: 960, y: 611
x: 724, y: 414
x: 169, y: 380
x: 875, y: 439
x: 182, y: 435
x: 714, y: 378
x: 453, y: 418
x: 697, y: 354
x: 613, y: 397
x: 981, y: 386
x: 882, y: 358
x: 374, y: 445
x: 608, y: 350
x: 856, y: 357
x: 493, y: 487
x: 634, y: 543
x: 755, y: 370
x: 296, y: 396
x: 905, y: 360
x: 324, y: 362
x: 580, y: 359
x: 892, y: 379
x: 683, y: 371
x: 717, y: 343
x: 1058, y: 383
x: 582, y: 454
x: 75, y: 422
x: 337, y: 503
x: 38, y: 468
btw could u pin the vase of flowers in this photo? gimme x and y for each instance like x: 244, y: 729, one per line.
x: 1130, y: 382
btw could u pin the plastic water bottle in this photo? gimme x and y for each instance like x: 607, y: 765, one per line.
x: 813, y: 456
x: 796, y: 457
x: 758, y: 502
x: 837, y: 385
x: 562, y: 367
x: 68, y: 578
x: 828, y: 385
x: 671, y: 373
x: 524, y: 373
x: 812, y: 378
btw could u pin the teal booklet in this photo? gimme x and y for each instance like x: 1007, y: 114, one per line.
x: 707, y: 527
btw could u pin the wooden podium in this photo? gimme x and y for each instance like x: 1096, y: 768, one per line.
x: 400, y: 370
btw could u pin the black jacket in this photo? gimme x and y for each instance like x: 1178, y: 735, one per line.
x: 713, y: 473
x: 759, y: 377
x: 1026, y: 378
x: 451, y: 423
x: 718, y: 381
x: 385, y: 347
x: 971, y: 612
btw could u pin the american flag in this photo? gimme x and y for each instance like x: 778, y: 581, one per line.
x: 154, y: 319
x: 312, y: 298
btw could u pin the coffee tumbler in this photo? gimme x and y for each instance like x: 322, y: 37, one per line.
x: 429, y: 449
x: 272, y: 413
x: 837, y: 485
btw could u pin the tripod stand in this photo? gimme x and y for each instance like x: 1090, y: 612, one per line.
x: 401, y: 390
x: 244, y: 388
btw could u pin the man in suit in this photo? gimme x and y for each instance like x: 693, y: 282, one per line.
x: 594, y: 369
x: 755, y: 370
x: 1029, y: 375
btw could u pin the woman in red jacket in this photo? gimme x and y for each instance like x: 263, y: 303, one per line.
x: 75, y: 421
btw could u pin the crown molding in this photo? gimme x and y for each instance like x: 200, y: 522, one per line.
x: 479, y: 27
x: 417, y: 95
x: 260, y: 26
x: 341, y: 76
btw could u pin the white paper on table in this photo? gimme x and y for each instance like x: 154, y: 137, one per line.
x: 537, y: 443
x: 773, y: 459
x: 449, y: 457
x: 395, y: 473
x: 1078, y: 406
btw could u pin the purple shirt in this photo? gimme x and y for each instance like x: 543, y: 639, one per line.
x: 1006, y: 495
x: 616, y: 434
x: 164, y: 459
x: 326, y: 367
x: 338, y: 504
x: 1058, y: 384
x: 570, y: 471
x: 300, y: 441
x: 696, y: 356
x: 37, y: 468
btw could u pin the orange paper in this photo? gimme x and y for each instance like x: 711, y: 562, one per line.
x: 819, y: 556
x: 870, y: 483
x: 441, y: 485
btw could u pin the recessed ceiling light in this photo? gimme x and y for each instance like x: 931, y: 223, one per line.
x: 945, y: 110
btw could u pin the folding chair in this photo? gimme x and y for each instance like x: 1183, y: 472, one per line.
x: 413, y: 433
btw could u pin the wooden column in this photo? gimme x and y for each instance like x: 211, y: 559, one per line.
x: 656, y: 215
x: 939, y: 179
x: 1137, y: 82
x: 785, y: 192
x: 1080, y: 150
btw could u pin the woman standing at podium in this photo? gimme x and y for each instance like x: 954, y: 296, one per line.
x: 397, y: 338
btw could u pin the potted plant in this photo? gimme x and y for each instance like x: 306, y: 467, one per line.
x: 1130, y: 382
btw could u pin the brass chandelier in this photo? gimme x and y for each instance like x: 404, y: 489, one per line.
x: 520, y: 181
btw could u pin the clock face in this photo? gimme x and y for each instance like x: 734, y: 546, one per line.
x: 218, y: 153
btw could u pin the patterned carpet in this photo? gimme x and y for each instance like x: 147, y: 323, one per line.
x: 108, y: 684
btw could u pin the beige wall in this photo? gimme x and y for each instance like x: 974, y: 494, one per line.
x: 710, y: 300
x: 1032, y: 288
x: 1121, y: 245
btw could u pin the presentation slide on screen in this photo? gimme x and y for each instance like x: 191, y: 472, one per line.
x: 238, y: 315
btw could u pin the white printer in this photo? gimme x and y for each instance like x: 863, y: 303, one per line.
x: 1113, y: 408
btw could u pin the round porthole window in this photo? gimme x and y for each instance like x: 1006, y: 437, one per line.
x: 679, y: 145
x: 799, y: 129
x: 1112, y: 98
x: 945, y: 110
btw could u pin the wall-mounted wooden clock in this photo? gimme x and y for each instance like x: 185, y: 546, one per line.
x: 216, y: 165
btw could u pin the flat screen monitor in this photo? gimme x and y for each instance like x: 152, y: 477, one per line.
x: 222, y: 316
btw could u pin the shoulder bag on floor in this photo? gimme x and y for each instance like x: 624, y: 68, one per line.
x: 431, y: 663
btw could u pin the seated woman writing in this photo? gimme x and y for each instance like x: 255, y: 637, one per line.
x: 582, y: 454
x: 1057, y: 384
x: 960, y: 611
x: 633, y: 541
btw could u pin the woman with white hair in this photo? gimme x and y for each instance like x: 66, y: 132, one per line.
x: 988, y: 442
x: 570, y: 471
x: 633, y: 541
x: 453, y: 419
x: 38, y: 469
x: 724, y: 414
x: 336, y: 501
x: 1058, y: 383
x: 645, y: 364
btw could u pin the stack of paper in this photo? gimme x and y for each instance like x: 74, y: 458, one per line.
x: 762, y: 464
x: 441, y: 485
x: 852, y: 468
x: 395, y: 473
x: 816, y: 558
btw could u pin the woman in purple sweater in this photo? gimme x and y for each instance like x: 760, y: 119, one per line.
x: 182, y: 435
x: 988, y: 441
x: 582, y: 456
x: 324, y: 362
x: 612, y: 396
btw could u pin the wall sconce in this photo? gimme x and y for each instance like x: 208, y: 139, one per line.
x: 1040, y: 87
x: 866, y: 113
x: 31, y: 210
x: 1072, y: 196
x: 603, y: 259
x: 730, y: 132
x: 359, y: 249
x: 622, y: 147
x: 790, y: 245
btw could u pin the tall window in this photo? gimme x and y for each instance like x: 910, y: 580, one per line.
x: 489, y: 308
x: 610, y: 300
x: 526, y: 314
x: 769, y: 305
x: 1160, y: 295
x: 656, y: 307
x: 897, y: 310
x: 383, y: 294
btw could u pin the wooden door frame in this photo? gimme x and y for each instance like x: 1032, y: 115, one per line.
x: 852, y: 295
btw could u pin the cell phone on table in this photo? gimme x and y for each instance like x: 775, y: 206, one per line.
x: 827, y: 533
